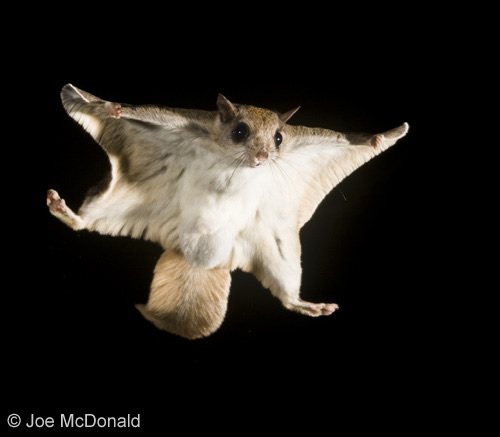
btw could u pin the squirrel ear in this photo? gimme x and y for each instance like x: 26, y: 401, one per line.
x: 227, y: 110
x: 287, y: 115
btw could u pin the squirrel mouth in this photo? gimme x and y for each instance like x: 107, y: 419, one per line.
x: 260, y: 158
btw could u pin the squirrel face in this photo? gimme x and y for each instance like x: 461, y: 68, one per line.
x: 254, y: 132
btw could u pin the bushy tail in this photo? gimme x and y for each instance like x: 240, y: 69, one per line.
x: 186, y: 300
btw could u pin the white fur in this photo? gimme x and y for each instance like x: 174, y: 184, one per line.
x: 188, y: 186
x: 91, y: 124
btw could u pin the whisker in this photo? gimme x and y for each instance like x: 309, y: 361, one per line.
x: 340, y: 191
x: 241, y: 159
x: 288, y: 179
x: 239, y: 156
x: 271, y: 163
x: 293, y: 164
x: 276, y: 177
x: 229, y: 156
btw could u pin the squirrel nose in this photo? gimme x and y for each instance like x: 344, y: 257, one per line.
x: 261, y: 157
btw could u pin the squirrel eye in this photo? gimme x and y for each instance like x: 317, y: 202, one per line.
x: 278, y: 138
x: 240, y: 132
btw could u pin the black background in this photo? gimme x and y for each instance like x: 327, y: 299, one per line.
x: 74, y: 342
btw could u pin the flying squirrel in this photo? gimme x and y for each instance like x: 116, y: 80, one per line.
x: 218, y: 190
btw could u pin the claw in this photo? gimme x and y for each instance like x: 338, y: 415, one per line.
x: 376, y: 140
x: 114, y: 109
x: 54, y: 202
x: 59, y: 209
x: 313, y: 309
